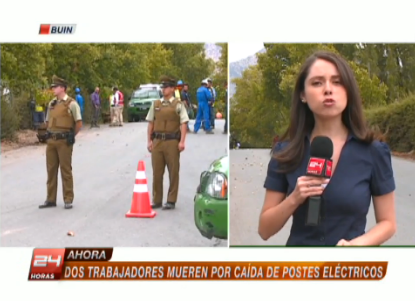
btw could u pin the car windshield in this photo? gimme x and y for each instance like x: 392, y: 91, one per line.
x: 146, y: 94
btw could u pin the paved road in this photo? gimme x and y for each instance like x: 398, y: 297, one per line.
x: 248, y: 170
x: 104, y: 165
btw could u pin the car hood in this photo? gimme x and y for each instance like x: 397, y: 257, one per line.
x: 220, y: 165
x: 137, y: 101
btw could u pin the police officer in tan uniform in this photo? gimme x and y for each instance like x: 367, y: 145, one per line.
x: 64, y: 121
x: 168, y: 120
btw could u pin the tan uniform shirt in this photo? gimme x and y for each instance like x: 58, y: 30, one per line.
x: 73, y: 108
x: 180, y: 108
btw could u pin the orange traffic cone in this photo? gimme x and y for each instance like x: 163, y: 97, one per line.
x: 140, y: 204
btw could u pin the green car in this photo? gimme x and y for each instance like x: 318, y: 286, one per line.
x: 141, y: 100
x: 211, y: 201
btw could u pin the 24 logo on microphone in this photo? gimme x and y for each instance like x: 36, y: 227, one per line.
x: 315, y: 166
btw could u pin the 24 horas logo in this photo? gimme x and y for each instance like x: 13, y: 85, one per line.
x: 48, y: 264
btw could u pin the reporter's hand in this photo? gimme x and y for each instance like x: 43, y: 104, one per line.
x: 150, y: 146
x: 344, y: 242
x: 307, y: 186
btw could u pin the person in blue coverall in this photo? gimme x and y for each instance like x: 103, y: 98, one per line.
x: 212, y: 104
x: 80, y: 101
x: 203, y: 96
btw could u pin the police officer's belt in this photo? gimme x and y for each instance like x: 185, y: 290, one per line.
x: 58, y: 136
x: 166, y: 136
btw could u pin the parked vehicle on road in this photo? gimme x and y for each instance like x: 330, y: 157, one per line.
x: 211, y: 201
x: 141, y: 100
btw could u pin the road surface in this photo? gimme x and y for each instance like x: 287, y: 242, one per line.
x: 248, y: 170
x: 104, y: 165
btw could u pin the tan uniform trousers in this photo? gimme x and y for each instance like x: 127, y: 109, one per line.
x: 165, y: 153
x: 59, y: 155
x: 112, y: 115
x: 120, y: 114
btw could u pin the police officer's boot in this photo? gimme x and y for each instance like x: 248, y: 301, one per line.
x: 168, y: 206
x: 47, y: 204
x: 156, y: 205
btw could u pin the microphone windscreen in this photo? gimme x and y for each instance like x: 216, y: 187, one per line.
x: 322, y: 147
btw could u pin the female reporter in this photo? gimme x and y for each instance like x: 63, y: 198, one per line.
x: 326, y: 102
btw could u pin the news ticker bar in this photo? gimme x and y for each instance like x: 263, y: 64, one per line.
x: 94, y: 264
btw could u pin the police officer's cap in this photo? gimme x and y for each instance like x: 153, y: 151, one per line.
x: 204, y: 81
x: 167, y: 82
x: 57, y: 81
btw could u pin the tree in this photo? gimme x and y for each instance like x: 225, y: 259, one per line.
x: 263, y: 95
x: 220, y: 77
x: 27, y: 70
x: 253, y: 119
x: 23, y: 65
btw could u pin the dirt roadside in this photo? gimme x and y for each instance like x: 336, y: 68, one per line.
x: 28, y: 138
x: 24, y: 138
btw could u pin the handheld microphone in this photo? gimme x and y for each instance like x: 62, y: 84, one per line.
x: 320, y: 165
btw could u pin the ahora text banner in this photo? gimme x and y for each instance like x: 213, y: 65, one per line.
x: 95, y: 264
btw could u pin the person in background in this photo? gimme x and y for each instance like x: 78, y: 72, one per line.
x: 226, y: 108
x: 37, y: 109
x: 96, y: 106
x: 203, y: 96
x: 119, y: 107
x: 212, y: 105
x: 178, y: 90
x: 80, y: 100
x: 186, y: 99
x: 32, y: 106
x: 111, y: 108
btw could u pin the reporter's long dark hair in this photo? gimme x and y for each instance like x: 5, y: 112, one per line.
x: 302, y: 120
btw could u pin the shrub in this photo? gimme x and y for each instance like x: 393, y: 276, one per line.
x: 397, y: 122
x: 12, y: 112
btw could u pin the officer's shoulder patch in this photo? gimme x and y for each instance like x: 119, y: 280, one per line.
x: 69, y: 100
x: 157, y: 105
x: 179, y: 106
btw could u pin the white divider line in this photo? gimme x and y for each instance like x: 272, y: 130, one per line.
x: 140, y: 188
x: 140, y: 175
